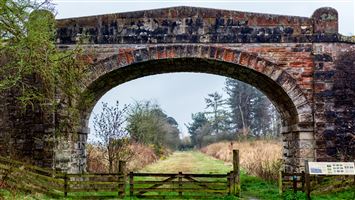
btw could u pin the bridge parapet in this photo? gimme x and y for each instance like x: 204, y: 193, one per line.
x: 198, y: 25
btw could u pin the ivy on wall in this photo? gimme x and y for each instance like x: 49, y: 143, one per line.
x: 31, y: 65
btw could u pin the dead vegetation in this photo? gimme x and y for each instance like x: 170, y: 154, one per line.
x: 141, y: 155
x: 259, y: 158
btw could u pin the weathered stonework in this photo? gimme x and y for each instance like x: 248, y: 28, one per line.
x: 294, y: 61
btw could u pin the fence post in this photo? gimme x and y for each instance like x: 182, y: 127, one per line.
x: 229, y: 183
x: 121, y: 178
x: 180, y: 184
x: 131, y: 189
x: 294, y: 183
x: 236, y: 173
x: 65, y: 184
x: 307, y: 180
x: 280, y: 182
x: 302, y: 180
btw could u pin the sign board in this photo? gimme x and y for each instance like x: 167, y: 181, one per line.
x: 331, y: 168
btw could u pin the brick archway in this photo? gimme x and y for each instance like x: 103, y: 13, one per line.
x: 268, y: 77
x: 298, y: 62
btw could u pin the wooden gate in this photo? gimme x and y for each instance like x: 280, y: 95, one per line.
x: 179, y: 185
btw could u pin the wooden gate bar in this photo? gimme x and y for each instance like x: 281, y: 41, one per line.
x: 197, y: 182
x: 158, y: 185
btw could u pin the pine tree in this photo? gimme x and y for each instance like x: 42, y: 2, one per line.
x: 251, y: 111
x: 217, y: 115
x: 199, y: 121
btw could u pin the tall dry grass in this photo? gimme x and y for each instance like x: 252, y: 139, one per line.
x: 259, y: 158
x: 142, y: 156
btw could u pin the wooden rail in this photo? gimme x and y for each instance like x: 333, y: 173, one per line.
x: 47, y: 181
x: 141, y: 185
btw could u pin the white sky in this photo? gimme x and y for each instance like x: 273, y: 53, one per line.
x: 180, y: 94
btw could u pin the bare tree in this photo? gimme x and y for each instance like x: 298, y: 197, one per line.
x: 110, y: 133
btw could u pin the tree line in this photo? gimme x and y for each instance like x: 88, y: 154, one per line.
x: 245, y: 113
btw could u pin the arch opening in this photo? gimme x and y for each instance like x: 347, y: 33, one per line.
x: 265, y: 84
x: 273, y: 82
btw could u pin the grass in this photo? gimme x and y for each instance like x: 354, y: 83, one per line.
x: 189, y: 162
x: 197, y: 162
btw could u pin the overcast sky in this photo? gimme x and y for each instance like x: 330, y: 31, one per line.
x: 180, y: 94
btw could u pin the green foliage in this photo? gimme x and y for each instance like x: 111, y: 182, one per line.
x: 148, y: 124
x: 31, y: 65
x: 199, y: 122
x: 245, y: 114
x: 251, y: 112
x: 218, y: 116
x: 291, y: 195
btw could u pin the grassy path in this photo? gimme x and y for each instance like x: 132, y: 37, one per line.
x: 189, y: 162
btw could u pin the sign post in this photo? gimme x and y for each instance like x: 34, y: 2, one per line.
x: 331, y: 168
x: 327, y: 168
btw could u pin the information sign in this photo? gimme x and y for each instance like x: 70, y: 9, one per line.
x: 331, y: 168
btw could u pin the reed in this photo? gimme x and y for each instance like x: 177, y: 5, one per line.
x: 259, y: 158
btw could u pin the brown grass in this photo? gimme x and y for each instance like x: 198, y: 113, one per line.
x: 260, y: 158
x: 142, y: 156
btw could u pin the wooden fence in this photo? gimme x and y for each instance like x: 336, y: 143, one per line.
x: 294, y: 181
x: 109, y: 185
x: 31, y: 178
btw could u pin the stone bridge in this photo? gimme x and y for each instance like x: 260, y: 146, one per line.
x: 302, y: 64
